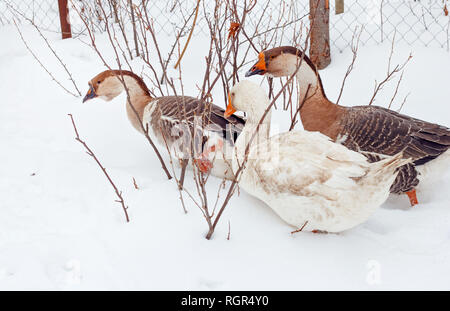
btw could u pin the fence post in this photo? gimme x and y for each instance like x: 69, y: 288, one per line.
x: 339, y: 6
x: 64, y: 19
x: 319, y: 14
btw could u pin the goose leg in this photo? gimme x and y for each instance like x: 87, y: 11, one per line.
x: 412, y: 197
x: 184, y: 163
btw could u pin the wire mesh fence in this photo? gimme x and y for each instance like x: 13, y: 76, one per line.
x: 414, y: 22
x: 44, y: 13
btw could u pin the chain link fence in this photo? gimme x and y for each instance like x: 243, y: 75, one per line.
x: 414, y: 22
x: 44, y: 13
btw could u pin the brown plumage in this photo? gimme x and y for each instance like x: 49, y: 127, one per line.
x: 380, y: 130
x: 174, y: 110
x: 369, y: 129
x: 167, y: 116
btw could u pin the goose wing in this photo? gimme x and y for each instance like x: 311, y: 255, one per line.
x: 380, y: 130
x: 305, y: 164
x: 192, y: 111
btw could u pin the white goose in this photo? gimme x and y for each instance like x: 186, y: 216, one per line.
x: 369, y: 129
x: 309, y: 181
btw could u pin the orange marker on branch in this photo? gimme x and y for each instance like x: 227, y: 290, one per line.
x: 233, y: 29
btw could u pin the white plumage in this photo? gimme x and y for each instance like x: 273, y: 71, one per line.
x: 303, y: 176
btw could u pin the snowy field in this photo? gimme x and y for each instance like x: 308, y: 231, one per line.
x: 61, y: 229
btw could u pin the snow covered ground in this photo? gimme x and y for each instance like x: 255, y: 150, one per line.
x: 61, y: 229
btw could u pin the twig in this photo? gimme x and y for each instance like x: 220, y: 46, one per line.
x: 403, y: 103
x: 350, y: 67
x: 48, y: 45
x: 40, y: 63
x: 396, y: 90
x: 301, y: 229
x: 135, y: 184
x: 299, y: 108
x: 91, y: 153
x: 122, y: 80
x: 133, y: 22
x: 190, y: 35
x: 390, y: 75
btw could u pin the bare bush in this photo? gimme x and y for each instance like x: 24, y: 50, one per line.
x: 69, y: 74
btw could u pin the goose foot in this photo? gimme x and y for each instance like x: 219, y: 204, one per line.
x: 203, y: 165
x: 412, y: 197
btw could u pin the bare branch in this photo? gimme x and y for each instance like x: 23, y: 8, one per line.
x: 91, y: 153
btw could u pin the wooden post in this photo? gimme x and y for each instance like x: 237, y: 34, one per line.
x: 64, y: 19
x: 339, y: 6
x: 319, y: 16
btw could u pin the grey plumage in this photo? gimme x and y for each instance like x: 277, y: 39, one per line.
x: 380, y: 130
x: 190, y: 111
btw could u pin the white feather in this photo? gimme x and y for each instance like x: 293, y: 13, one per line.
x: 304, y: 177
x: 432, y: 171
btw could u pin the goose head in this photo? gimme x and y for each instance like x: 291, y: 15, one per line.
x: 279, y: 62
x: 107, y: 85
x: 248, y: 97
x: 284, y: 61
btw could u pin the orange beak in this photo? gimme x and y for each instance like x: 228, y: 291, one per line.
x: 230, y: 109
x: 259, y: 68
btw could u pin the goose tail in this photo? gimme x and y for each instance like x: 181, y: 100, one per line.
x: 389, y: 166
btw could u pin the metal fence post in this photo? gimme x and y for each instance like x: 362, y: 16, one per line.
x: 64, y: 19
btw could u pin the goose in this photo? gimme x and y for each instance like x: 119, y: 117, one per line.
x: 367, y: 129
x: 171, y: 120
x: 311, y: 182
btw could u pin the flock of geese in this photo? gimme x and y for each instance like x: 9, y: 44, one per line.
x: 329, y: 177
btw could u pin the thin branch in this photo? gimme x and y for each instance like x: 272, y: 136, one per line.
x: 350, y: 67
x: 91, y: 153
x: 190, y: 35
x: 48, y: 45
x: 40, y: 63
x: 391, y: 74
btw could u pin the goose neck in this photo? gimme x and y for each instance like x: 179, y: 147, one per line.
x: 139, y: 99
x: 309, y: 82
x: 254, y: 132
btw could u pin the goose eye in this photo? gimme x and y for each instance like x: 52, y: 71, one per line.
x: 98, y: 82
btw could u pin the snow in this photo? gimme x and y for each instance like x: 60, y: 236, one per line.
x: 60, y: 228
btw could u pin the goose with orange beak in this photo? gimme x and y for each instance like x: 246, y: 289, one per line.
x: 259, y: 68
x: 369, y: 129
x: 309, y: 181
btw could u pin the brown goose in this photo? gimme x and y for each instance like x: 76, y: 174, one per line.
x: 368, y: 129
x: 172, y: 119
